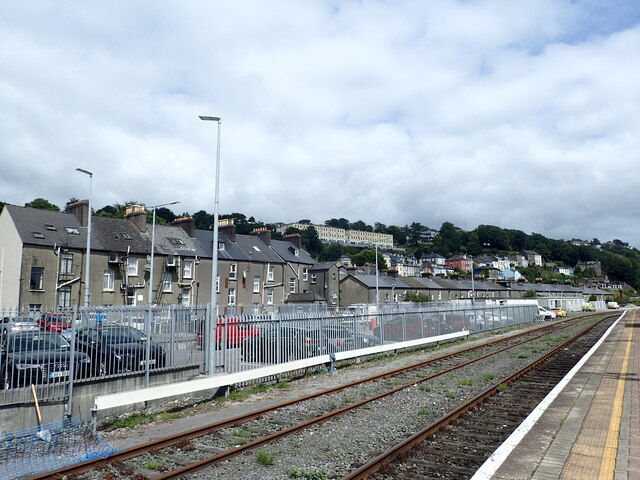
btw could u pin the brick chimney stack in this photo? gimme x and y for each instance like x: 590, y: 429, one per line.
x: 228, y: 227
x: 188, y: 224
x: 81, y: 210
x: 294, y: 238
x: 264, y: 234
x: 138, y: 215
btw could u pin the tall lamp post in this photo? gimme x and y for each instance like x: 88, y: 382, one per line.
x: 87, y: 268
x: 213, y: 311
x: 153, y: 247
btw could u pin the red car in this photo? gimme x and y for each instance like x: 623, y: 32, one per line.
x: 55, y: 322
x: 238, y: 331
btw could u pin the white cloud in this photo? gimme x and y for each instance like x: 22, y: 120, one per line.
x: 523, y: 115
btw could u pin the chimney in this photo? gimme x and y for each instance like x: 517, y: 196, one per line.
x: 81, y: 210
x: 228, y: 227
x: 138, y: 215
x: 294, y: 238
x: 188, y: 224
x: 264, y: 234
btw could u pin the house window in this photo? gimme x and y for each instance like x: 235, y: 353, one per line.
x: 72, y: 230
x: 37, y: 278
x: 167, y: 279
x: 66, y: 263
x: 232, y: 296
x: 305, y: 274
x: 186, y: 296
x: 256, y: 284
x: 64, y: 297
x: 132, y: 266
x: 270, y: 296
x: 292, y: 285
x: 108, y: 280
x: 233, y: 271
x: 270, y: 272
x: 314, y: 278
x: 187, y: 269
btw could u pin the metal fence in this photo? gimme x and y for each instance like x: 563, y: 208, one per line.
x: 65, y: 347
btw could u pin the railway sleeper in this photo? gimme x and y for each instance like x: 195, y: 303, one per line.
x: 426, y: 469
x: 463, y: 452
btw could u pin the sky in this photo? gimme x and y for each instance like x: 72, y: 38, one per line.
x: 519, y: 114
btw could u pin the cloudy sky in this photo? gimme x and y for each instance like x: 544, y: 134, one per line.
x: 521, y: 114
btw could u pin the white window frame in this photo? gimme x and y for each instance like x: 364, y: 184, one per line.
x: 187, y: 268
x: 232, y: 296
x: 167, y: 282
x: 269, y: 296
x: 305, y: 274
x: 108, y: 280
x: 256, y: 284
x: 270, y: 272
x: 186, y: 296
x: 132, y: 267
x: 314, y: 278
x: 292, y: 285
x: 217, y: 284
x: 66, y: 263
x: 233, y: 271
x: 64, y: 296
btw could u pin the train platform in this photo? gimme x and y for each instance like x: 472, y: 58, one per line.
x: 588, y: 427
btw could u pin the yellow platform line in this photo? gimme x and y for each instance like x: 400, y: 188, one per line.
x: 608, y: 463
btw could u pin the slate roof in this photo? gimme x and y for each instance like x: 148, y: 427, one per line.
x: 286, y: 250
x: 384, y: 281
x: 107, y: 234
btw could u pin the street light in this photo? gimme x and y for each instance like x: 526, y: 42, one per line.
x: 87, y: 278
x: 213, y: 311
x: 153, y: 246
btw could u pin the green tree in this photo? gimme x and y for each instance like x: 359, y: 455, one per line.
x: 331, y: 252
x: 42, y: 204
x: 367, y: 256
x: 416, y: 297
x: 311, y: 242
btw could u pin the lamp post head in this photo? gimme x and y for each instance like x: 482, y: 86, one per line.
x: 87, y: 172
x: 212, y: 119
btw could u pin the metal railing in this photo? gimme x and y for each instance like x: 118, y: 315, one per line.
x: 87, y: 344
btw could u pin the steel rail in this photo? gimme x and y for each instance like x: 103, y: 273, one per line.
x: 403, y: 447
x: 137, y: 450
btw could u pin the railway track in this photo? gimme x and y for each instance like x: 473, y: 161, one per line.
x: 454, y: 447
x: 181, y: 455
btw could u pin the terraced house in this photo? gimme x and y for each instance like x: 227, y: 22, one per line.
x: 42, y: 262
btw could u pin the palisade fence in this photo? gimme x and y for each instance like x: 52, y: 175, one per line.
x: 101, y: 342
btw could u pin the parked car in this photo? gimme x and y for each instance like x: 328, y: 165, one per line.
x: 588, y: 307
x: 18, y: 324
x: 413, y: 326
x: 56, y: 322
x: 546, y: 313
x: 343, y: 338
x: 559, y: 312
x: 613, y: 305
x: 36, y: 357
x: 238, y: 330
x: 118, y: 349
x: 284, y: 344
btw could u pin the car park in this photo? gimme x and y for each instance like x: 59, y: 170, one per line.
x: 559, y: 312
x: 18, y: 324
x: 37, y: 357
x: 118, y: 349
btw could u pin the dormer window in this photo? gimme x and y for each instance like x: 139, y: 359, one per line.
x: 39, y: 235
x: 72, y: 230
x: 220, y: 245
x: 50, y: 227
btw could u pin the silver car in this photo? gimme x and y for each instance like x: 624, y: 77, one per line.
x: 18, y: 324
